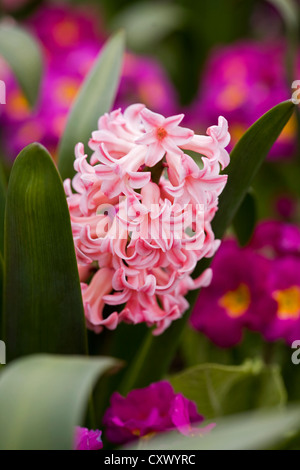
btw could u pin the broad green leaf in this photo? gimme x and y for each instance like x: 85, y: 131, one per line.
x: 245, y: 219
x: 288, y: 10
x: 43, y: 309
x: 44, y: 397
x: 213, y: 386
x: 2, y: 211
x: 147, y: 23
x: 3, y: 189
x: 23, y: 54
x: 94, y: 99
x: 1, y: 296
x: 153, y: 358
x: 257, y: 430
x: 196, y: 348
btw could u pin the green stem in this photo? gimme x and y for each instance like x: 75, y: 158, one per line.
x: 154, y: 358
x: 156, y: 171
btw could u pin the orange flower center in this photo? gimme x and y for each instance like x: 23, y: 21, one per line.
x: 288, y: 301
x: 65, y: 33
x: 161, y: 133
x: 236, y: 302
x: 17, y: 105
x: 232, y: 97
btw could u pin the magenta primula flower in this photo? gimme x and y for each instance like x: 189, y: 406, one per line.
x: 237, y: 297
x: 284, y: 289
x: 86, y: 439
x: 264, y: 297
x: 150, y: 410
x: 145, y: 80
x: 276, y: 239
x: 285, y: 205
x: 141, y: 215
x: 243, y: 81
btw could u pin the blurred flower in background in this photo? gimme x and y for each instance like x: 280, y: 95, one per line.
x: 243, y: 81
x: 71, y: 40
x: 286, y: 206
x: 151, y: 410
x: 13, y: 5
x: 86, y: 439
x: 284, y: 288
x: 276, y: 239
x: 256, y: 288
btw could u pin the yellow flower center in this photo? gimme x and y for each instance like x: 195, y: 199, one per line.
x: 236, y: 302
x: 289, y: 131
x: 237, y: 130
x: 151, y: 92
x: 65, y: 33
x: 17, y: 105
x: 232, y: 97
x: 66, y: 91
x: 288, y: 301
x: 146, y: 437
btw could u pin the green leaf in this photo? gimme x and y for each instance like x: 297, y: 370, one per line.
x: 43, y: 309
x: 257, y: 430
x: 23, y: 54
x: 245, y: 219
x: 44, y: 397
x: 196, y: 348
x: 3, y: 190
x: 213, y: 386
x: 1, y: 296
x: 153, y: 359
x: 95, y: 98
x: 288, y: 10
x: 146, y: 24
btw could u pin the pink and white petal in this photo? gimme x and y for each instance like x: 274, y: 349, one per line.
x: 151, y: 119
x: 181, y: 135
x: 173, y: 121
x: 139, y: 179
x: 155, y: 153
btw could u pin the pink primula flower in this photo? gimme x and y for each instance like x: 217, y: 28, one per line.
x: 141, y: 215
x: 151, y: 410
x: 86, y: 439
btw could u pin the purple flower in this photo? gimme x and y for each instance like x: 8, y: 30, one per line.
x: 62, y: 29
x: 276, y: 239
x: 145, y: 81
x: 86, y: 439
x: 236, y: 298
x: 242, y: 81
x: 71, y: 40
x: 148, y: 411
x: 284, y: 288
x: 286, y: 206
